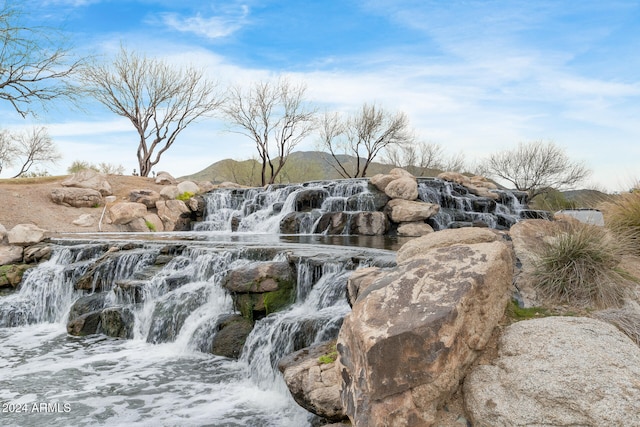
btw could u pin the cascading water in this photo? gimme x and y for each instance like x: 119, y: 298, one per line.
x: 163, y: 375
x: 263, y: 210
x: 303, y: 208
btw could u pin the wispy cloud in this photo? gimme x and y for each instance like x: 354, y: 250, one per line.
x: 211, y: 27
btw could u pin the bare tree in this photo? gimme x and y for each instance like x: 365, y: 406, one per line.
x: 8, y: 150
x: 35, y: 64
x: 160, y: 100
x: 34, y: 147
x: 536, y: 167
x: 275, y: 116
x: 354, y: 142
x: 421, y: 158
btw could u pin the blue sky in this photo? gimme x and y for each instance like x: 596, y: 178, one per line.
x: 473, y: 76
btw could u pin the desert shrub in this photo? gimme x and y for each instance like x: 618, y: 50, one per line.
x: 626, y: 318
x: 185, y: 196
x: 79, y: 165
x: 103, y: 167
x: 622, y: 216
x: 151, y: 226
x: 580, y: 266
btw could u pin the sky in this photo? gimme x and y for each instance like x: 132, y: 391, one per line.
x: 474, y: 77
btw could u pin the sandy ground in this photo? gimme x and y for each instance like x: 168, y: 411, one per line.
x: 27, y: 201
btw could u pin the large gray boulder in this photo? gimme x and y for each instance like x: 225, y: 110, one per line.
x: 76, y: 197
x: 312, y: 376
x: 188, y: 187
x: 258, y: 277
x: 25, y: 235
x: 146, y: 197
x: 414, y: 332
x: 10, y: 254
x: 402, y: 188
x: 124, y: 213
x: 369, y: 224
x: 88, y: 178
x: 165, y: 178
x: 401, y: 210
x: 414, y: 229
x: 84, y: 220
x: 175, y: 215
x: 558, y: 371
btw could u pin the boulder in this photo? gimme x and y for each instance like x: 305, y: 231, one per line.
x: 175, y: 215
x: 88, y: 178
x: 526, y: 236
x: 117, y: 322
x: 380, y: 181
x: 165, y: 178
x: 414, y: 229
x: 369, y: 223
x: 11, y: 275
x: 232, y: 332
x: 313, y: 379
x: 137, y: 225
x: 402, y: 188
x: 87, y: 304
x: 332, y: 223
x: 205, y: 186
x: 125, y: 212
x: 401, y: 210
x: 465, y: 236
x: 309, y: 199
x: 188, y: 187
x: 258, y: 277
x: 37, y: 253
x: 25, y: 235
x: 169, y: 192
x: 561, y: 371
x: 84, y: 220
x: 413, y: 333
x: 76, y: 197
x: 477, y: 185
x: 146, y: 197
x: 153, y: 222
x: 360, y: 280
x: 10, y: 254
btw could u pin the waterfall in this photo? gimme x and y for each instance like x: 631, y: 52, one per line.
x: 316, y: 316
x: 262, y: 210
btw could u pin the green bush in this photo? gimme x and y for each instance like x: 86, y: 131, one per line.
x: 151, y: 226
x: 580, y: 266
x: 185, y: 196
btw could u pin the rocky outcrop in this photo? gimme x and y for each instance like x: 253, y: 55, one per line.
x: 76, y: 197
x: 478, y: 185
x: 25, y: 235
x: 84, y: 315
x: 165, y: 178
x: 232, y: 332
x: 312, y: 377
x: 88, y: 178
x: 261, y: 288
x: 369, y: 224
x: 414, y: 229
x: 169, y: 192
x: 84, y: 220
x: 175, y: 215
x: 558, y: 371
x: 405, y: 188
x: 11, y: 275
x: 37, y: 253
x: 188, y: 187
x: 117, y: 322
x: 414, y: 332
x: 401, y: 210
x: 146, y: 197
x: 124, y: 213
x: 10, y: 254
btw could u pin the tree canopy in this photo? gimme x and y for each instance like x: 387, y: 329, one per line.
x: 536, y: 167
x: 159, y: 99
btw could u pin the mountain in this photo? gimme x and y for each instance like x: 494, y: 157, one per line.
x: 301, y: 166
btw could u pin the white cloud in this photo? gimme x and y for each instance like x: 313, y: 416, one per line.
x: 212, y: 27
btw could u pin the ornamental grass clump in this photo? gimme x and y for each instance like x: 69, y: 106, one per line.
x: 579, y: 267
x: 622, y: 216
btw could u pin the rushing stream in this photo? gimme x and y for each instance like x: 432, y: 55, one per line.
x: 162, y: 377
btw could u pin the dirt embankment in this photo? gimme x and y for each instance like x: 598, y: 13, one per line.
x: 28, y: 201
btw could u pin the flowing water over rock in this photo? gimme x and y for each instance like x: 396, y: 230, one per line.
x: 163, y: 375
x: 302, y: 208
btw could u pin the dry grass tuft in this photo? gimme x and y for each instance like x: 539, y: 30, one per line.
x: 622, y: 216
x: 580, y: 267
